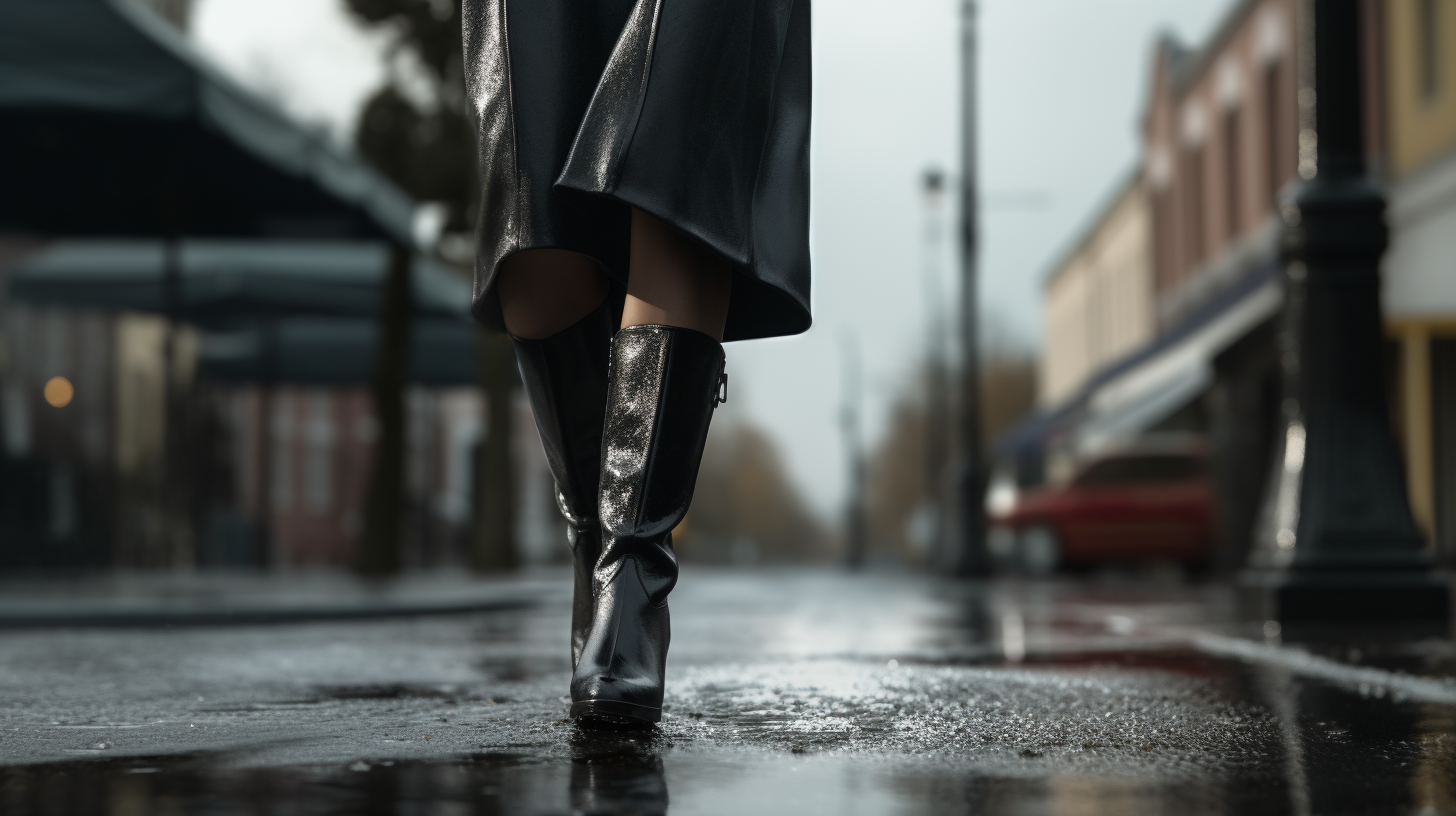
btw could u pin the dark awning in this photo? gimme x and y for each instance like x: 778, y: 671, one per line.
x: 111, y: 124
x: 222, y: 282
x: 1151, y: 383
x: 323, y: 351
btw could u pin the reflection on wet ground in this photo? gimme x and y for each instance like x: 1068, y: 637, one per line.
x: 788, y: 693
x: 630, y: 781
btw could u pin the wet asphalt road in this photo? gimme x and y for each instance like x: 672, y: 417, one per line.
x: 788, y: 692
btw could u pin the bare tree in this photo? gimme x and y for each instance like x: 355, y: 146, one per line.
x: 416, y: 131
x: 744, y: 507
x: 177, y: 12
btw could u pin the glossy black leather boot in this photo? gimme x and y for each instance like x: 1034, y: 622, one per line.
x: 663, y: 387
x: 565, y: 377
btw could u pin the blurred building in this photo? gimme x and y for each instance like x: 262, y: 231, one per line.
x: 274, y: 476
x: 1163, y: 313
x: 56, y: 463
x: 315, y: 472
x: 133, y: 442
x: 1098, y: 299
x: 1416, y: 141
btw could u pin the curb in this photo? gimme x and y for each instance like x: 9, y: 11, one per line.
x: 245, y: 615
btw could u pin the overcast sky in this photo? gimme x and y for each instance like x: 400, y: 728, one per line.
x: 1062, y: 84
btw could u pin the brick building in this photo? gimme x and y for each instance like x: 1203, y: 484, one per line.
x: 1225, y: 128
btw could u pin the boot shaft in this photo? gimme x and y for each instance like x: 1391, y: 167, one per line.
x: 565, y: 379
x: 662, y: 388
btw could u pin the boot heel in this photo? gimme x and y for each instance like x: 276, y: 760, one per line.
x: 613, y: 712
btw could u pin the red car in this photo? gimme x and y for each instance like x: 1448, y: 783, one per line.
x: 1127, y: 507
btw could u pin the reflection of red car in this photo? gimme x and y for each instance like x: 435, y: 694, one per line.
x: 1132, y: 506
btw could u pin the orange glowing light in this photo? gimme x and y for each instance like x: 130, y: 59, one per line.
x: 59, y: 391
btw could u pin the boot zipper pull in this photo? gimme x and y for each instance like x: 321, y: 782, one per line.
x: 721, y: 394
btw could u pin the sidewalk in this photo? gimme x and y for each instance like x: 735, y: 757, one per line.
x: 788, y: 692
x: 242, y: 598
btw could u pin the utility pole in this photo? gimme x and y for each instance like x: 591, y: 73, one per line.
x: 856, y: 536
x: 968, y: 557
x: 937, y: 375
x: 379, y: 551
x: 493, y: 545
x: 178, y: 545
x: 1336, y: 542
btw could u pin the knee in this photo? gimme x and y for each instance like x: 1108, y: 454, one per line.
x: 543, y: 291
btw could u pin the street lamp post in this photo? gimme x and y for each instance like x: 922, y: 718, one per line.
x: 968, y: 557
x: 1336, y: 541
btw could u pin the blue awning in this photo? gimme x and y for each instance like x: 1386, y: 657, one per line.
x: 1148, y: 385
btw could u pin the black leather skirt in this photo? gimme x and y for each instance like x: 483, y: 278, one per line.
x: 695, y: 111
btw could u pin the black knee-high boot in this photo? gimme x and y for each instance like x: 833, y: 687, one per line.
x: 565, y: 377
x: 663, y: 387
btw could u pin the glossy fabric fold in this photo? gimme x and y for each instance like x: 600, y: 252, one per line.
x: 696, y: 112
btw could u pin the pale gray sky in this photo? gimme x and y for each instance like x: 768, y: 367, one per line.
x: 1062, y: 83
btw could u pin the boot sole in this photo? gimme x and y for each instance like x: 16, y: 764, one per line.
x: 616, y: 712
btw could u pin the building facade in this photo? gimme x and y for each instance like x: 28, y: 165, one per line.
x: 1417, y: 94
x: 1226, y: 128
x: 1099, y: 296
x: 1219, y: 143
x: 299, y: 457
x: 57, y: 449
x: 109, y: 473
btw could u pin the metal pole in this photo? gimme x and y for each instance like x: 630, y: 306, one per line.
x: 937, y: 376
x: 494, y: 545
x: 969, y: 558
x: 174, y: 510
x: 269, y: 353
x: 856, y: 536
x: 1336, y: 540
x: 379, y: 553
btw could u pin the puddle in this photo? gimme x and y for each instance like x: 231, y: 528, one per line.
x: 524, y: 669
x: 390, y: 691
x: 325, y: 695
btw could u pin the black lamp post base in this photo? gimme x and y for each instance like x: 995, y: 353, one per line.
x: 1342, y: 601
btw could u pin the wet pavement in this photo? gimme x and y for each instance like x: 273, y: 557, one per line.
x: 788, y: 692
x: 142, y: 599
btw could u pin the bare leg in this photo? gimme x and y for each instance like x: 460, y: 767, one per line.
x: 543, y: 291
x: 674, y: 280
